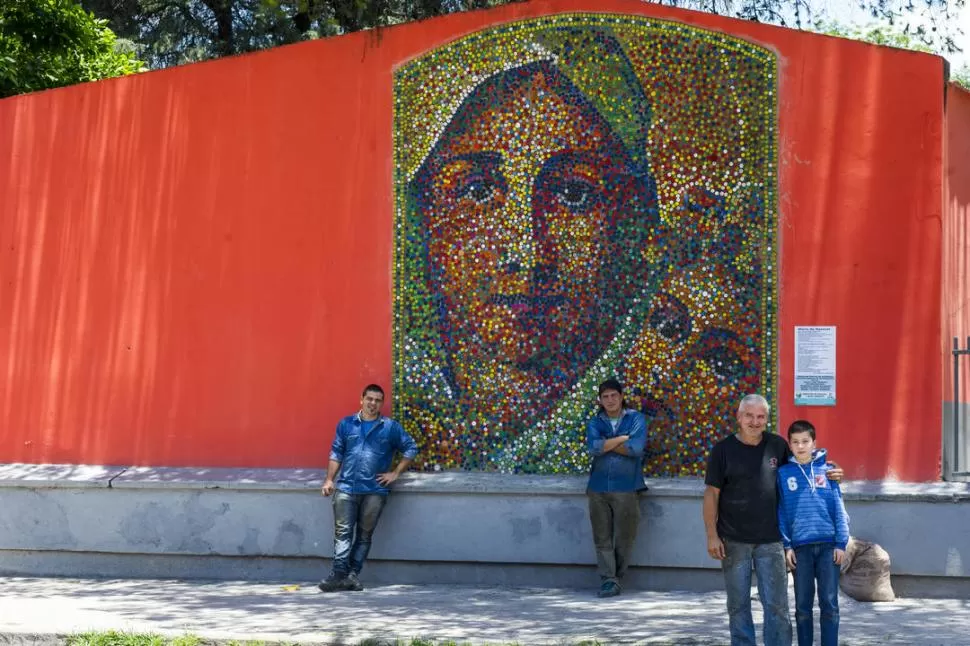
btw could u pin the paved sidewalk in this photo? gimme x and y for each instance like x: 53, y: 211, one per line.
x: 300, y: 613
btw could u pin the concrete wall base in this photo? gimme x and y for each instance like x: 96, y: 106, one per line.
x: 310, y: 570
x: 463, y: 528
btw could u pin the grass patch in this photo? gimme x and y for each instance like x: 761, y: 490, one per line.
x: 116, y: 638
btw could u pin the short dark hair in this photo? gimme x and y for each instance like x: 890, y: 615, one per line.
x: 372, y: 388
x: 801, y: 426
x: 610, y: 384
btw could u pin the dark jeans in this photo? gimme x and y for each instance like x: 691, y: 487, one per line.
x: 614, y: 517
x: 768, y: 560
x: 354, y: 519
x: 814, y: 563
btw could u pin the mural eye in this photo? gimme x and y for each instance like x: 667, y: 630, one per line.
x: 574, y: 194
x: 724, y: 362
x: 479, y: 190
x: 670, y: 319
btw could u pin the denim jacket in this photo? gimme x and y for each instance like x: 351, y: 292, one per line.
x: 614, y: 472
x: 362, y: 458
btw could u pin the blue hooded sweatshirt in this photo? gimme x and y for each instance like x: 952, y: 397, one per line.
x: 810, y: 507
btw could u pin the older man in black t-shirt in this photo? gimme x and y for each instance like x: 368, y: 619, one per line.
x: 741, y: 519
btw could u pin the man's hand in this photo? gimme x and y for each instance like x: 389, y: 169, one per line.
x: 715, y: 547
x: 327, y: 488
x: 385, y: 479
x: 790, y: 558
x: 835, y: 473
x: 838, y: 556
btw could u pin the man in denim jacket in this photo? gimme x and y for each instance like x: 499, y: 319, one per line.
x: 360, y: 460
x: 616, y: 438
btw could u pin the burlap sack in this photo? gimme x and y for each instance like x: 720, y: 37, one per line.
x: 865, y: 572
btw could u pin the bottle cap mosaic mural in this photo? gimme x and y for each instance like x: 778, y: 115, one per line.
x: 578, y: 197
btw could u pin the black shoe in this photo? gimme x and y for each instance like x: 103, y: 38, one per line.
x: 352, y: 583
x: 333, y: 583
x: 609, y: 589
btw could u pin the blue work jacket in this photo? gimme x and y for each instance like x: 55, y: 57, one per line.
x: 615, y: 472
x: 362, y: 458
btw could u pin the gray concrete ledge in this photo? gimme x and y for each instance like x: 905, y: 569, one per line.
x: 468, y: 524
x: 121, y: 477
x: 57, y: 475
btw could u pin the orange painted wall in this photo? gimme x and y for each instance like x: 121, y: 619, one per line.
x: 195, y: 263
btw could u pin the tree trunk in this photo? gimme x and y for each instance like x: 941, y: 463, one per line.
x: 224, y: 38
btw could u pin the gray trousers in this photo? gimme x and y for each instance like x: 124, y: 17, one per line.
x: 614, y: 518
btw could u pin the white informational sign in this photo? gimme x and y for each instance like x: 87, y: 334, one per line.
x: 815, y: 365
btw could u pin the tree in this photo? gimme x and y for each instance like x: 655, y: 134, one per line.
x: 50, y: 43
x: 875, y: 34
x: 961, y: 76
x: 170, y: 32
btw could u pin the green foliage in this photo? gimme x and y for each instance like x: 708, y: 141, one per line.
x: 50, y: 43
x: 170, y: 32
x: 876, y: 34
x: 931, y: 22
x: 961, y: 76
x: 114, y: 638
x: 185, y: 640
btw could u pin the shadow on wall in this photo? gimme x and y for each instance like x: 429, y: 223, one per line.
x: 180, y: 282
x: 862, y: 254
x: 956, y: 235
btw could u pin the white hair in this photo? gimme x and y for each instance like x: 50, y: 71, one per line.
x: 754, y: 400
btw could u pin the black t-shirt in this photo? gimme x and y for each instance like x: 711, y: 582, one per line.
x: 747, y: 510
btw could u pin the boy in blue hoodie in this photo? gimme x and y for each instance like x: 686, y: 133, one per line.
x: 814, y: 530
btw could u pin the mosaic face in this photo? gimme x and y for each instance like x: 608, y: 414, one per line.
x: 522, y: 217
x: 545, y: 241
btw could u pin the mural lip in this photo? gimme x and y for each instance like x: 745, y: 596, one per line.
x: 64, y: 476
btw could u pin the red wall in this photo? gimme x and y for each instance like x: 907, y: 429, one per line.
x: 195, y: 263
x: 956, y: 238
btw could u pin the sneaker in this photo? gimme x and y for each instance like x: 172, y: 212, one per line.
x: 609, y: 589
x: 352, y: 583
x: 332, y: 583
